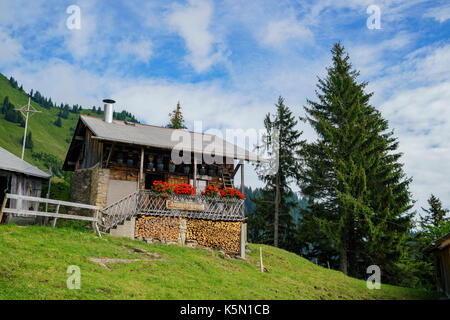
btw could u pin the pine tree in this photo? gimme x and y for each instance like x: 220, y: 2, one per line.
x: 29, y: 144
x: 359, y: 198
x: 58, y: 122
x: 176, y: 118
x: 13, y: 83
x: 5, y: 105
x: 271, y: 220
x: 435, y: 214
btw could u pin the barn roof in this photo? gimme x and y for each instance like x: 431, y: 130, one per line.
x: 439, y: 244
x: 161, y: 137
x: 10, y: 162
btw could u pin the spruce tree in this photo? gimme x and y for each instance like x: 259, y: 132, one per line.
x: 435, y: 214
x: 359, y: 198
x: 176, y: 118
x: 29, y: 144
x: 271, y: 220
x: 58, y: 122
x: 5, y: 105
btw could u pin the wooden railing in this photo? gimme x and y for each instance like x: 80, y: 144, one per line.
x: 119, y: 211
x: 56, y: 215
x: 147, y: 202
x: 191, y: 206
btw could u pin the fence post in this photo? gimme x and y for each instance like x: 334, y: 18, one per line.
x: 243, y: 239
x: 3, y: 207
x: 96, y: 215
x: 54, y: 220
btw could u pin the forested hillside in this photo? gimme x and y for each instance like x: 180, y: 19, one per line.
x: 49, y: 131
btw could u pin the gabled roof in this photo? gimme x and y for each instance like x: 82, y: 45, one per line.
x: 10, y: 162
x: 161, y: 137
x: 440, y: 243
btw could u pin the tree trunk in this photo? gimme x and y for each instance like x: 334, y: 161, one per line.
x: 343, y: 261
x: 277, y: 209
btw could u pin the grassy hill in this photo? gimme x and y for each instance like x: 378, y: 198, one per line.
x: 46, y: 136
x: 34, y: 262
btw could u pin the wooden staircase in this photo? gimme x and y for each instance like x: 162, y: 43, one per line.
x: 118, y: 213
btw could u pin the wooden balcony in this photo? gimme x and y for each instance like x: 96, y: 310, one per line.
x: 190, y: 206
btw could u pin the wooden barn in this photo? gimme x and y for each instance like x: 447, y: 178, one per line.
x: 21, y: 178
x: 441, y: 250
x: 115, y: 163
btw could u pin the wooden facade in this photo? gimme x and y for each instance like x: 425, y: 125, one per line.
x: 441, y: 250
x: 134, y: 167
x: 116, y: 163
x: 19, y: 184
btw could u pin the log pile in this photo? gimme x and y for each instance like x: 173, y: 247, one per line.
x: 160, y: 228
x: 224, y: 235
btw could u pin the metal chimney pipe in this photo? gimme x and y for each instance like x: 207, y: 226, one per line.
x: 108, y: 110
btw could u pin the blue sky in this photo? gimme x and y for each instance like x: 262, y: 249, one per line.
x: 228, y: 61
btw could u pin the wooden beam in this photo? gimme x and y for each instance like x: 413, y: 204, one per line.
x: 109, y: 155
x: 242, y: 187
x: 236, y: 169
x: 242, y: 176
x: 195, y: 173
x: 2, y: 208
x: 141, y: 171
x: 49, y: 214
x: 43, y: 200
x: 54, y: 220
x: 243, y: 239
x: 101, y: 154
x: 79, y: 138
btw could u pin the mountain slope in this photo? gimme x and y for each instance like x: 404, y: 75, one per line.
x: 46, y: 136
x: 34, y: 262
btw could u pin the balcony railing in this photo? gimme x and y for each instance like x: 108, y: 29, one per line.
x: 190, y: 206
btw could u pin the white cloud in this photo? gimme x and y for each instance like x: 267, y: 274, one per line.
x: 140, y: 50
x: 421, y: 118
x: 11, y: 49
x: 372, y: 59
x: 440, y: 14
x: 279, y: 32
x: 192, y: 22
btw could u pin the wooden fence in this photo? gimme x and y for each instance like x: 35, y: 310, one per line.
x: 56, y: 215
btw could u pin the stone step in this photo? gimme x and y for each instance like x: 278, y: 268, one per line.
x: 125, y: 230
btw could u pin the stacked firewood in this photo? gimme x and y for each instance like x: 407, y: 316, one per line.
x: 160, y: 228
x: 223, y: 235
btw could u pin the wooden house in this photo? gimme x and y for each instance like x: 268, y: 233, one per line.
x: 21, y: 178
x: 114, y: 159
x: 441, y: 250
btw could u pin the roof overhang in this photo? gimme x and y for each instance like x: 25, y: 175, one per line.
x: 439, y: 244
